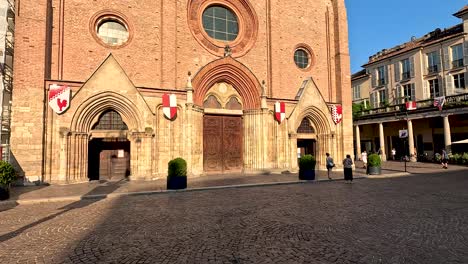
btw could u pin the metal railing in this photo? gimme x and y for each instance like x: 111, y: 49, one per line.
x: 452, y: 101
x: 457, y: 63
x: 433, y: 69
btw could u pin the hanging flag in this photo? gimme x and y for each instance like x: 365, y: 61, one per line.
x: 411, y: 105
x: 337, y: 113
x: 439, y: 102
x: 169, y: 106
x: 59, y: 98
x: 280, y: 111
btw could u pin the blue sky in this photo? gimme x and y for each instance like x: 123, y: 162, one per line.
x: 375, y: 24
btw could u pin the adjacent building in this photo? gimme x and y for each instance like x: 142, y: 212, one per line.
x: 7, y: 33
x: 420, y: 87
x: 113, y: 89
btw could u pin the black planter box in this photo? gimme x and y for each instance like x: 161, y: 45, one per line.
x: 4, y: 193
x: 308, y: 175
x: 176, y: 182
x: 374, y: 170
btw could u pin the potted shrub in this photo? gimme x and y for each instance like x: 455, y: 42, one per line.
x: 177, y: 174
x: 7, y: 176
x: 373, y: 164
x: 307, y: 167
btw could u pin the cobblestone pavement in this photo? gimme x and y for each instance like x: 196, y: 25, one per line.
x: 418, y: 219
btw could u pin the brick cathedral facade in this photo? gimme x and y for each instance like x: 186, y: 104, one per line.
x: 228, y: 62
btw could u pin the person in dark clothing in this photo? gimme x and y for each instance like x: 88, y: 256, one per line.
x: 330, y: 164
x: 348, y: 169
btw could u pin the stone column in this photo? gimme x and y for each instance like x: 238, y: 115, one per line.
x: 293, y: 150
x: 358, y: 143
x: 411, y: 141
x: 447, y: 136
x: 382, y: 142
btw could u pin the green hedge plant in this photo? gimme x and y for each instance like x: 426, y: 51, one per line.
x: 373, y: 160
x: 307, y: 162
x: 7, y: 173
x: 177, y: 168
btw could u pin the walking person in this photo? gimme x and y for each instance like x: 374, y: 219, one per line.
x: 348, y: 169
x: 330, y: 164
x: 364, y: 158
x: 393, y: 153
x: 444, y: 159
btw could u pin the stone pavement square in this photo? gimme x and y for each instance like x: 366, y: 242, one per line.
x: 417, y: 219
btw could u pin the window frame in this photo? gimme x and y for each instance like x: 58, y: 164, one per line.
x: 433, y: 62
x: 432, y: 88
x: 460, y: 80
x: 216, y: 21
x: 405, y: 69
x: 457, y: 55
x: 381, y: 80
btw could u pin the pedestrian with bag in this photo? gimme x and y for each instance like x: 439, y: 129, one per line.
x: 330, y: 164
x: 348, y: 169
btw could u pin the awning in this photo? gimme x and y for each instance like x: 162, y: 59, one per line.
x: 465, y: 141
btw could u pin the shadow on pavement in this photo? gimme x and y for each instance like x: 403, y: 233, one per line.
x: 75, y: 205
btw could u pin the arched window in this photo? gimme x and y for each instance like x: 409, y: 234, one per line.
x: 233, y: 104
x: 211, y: 102
x: 305, y: 127
x: 110, y: 120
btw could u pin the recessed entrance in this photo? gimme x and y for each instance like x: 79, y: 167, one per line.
x: 109, y: 150
x: 109, y: 159
x: 222, y: 144
x: 306, y: 143
x: 306, y: 146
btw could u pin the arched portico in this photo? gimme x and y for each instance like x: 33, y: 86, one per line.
x: 226, y: 89
x: 76, y: 143
x: 323, y: 134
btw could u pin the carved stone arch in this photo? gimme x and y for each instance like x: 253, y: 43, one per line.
x: 90, y: 110
x: 317, y: 119
x: 231, y: 72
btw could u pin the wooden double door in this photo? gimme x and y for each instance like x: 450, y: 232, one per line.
x: 222, y: 144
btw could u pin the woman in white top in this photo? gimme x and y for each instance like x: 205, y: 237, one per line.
x: 364, y: 158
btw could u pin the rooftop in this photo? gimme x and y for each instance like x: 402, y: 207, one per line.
x: 430, y: 38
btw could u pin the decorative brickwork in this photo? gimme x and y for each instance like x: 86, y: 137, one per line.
x: 232, y: 72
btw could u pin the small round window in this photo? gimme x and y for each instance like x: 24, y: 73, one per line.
x: 112, y: 32
x: 301, y: 58
x: 220, y: 23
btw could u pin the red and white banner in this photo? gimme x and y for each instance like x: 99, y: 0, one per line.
x: 439, y: 102
x: 337, y: 113
x: 411, y: 105
x: 280, y: 111
x: 169, y: 105
x: 59, y: 98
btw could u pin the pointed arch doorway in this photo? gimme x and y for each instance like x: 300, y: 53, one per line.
x: 306, y: 139
x: 222, y: 130
x: 109, y: 148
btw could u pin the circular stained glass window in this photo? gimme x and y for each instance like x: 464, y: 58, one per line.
x: 220, y: 23
x: 112, y: 32
x: 301, y: 58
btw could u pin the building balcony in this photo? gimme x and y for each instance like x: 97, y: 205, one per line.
x: 405, y: 76
x: 433, y: 69
x: 457, y: 63
x: 381, y: 82
x: 451, y: 102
